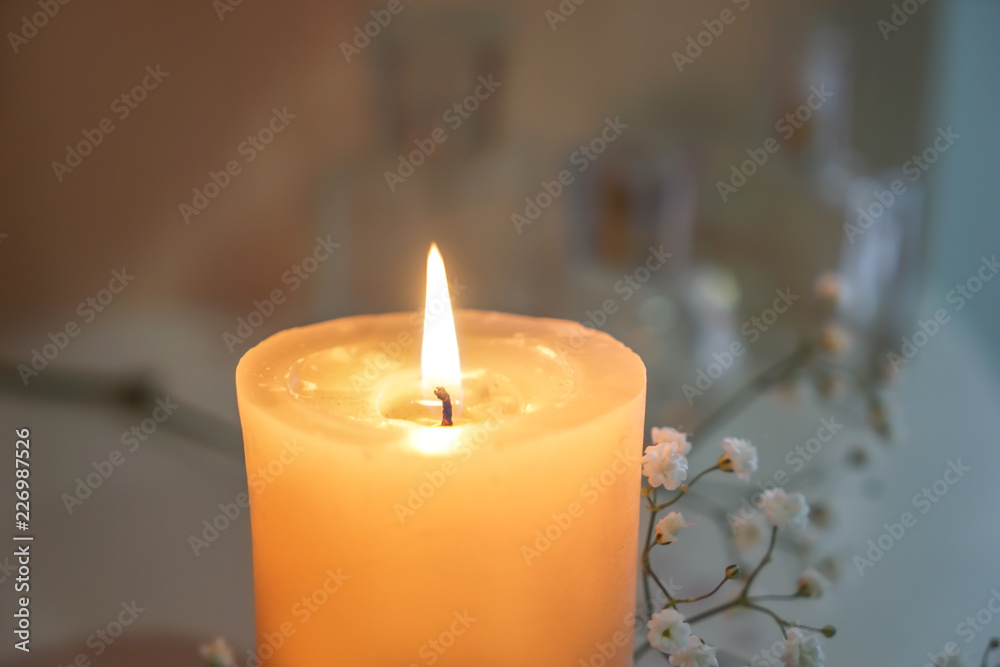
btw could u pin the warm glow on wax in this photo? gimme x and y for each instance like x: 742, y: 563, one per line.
x: 508, y: 538
x: 439, y: 365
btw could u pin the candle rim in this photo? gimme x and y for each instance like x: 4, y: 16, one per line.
x: 614, y: 389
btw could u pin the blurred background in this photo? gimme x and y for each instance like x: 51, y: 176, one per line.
x: 169, y: 166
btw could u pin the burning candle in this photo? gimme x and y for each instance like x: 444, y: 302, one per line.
x: 383, y: 538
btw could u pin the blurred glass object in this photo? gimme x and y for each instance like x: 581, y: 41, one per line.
x: 632, y: 199
x: 880, y: 262
x: 828, y: 62
x: 713, y: 295
x: 433, y: 61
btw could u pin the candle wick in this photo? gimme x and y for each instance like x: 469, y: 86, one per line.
x: 442, y: 395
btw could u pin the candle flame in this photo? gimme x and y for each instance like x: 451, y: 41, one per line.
x: 439, y: 365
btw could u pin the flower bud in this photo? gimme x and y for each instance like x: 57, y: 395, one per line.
x: 833, y: 339
x: 811, y: 584
x: 828, y: 287
x: 878, y: 419
x: 733, y: 572
x: 829, y: 631
x: 828, y: 385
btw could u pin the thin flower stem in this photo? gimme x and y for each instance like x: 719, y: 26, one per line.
x: 702, y: 597
x: 806, y: 627
x: 659, y: 584
x: 763, y: 561
x: 641, y: 651
x: 742, y: 399
x: 719, y: 515
x: 737, y: 602
x: 684, y: 489
x: 782, y: 623
x: 741, y: 600
x: 653, y: 509
x: 646, y: 569
x: 752, y: 390
x: 765, y: 598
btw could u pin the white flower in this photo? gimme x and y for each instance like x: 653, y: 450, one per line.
x: 742, y: 457
x: 747, y: 533
x: 695, y: 654
x: 665, y: 465
x: 667, y: 434
x: 812, y: 583
x: 802, y: 650
x: 833, y: 338
x: 667, y: 631
x: 218, y: 653
x: 785, y: 510
x: 668, y: 527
